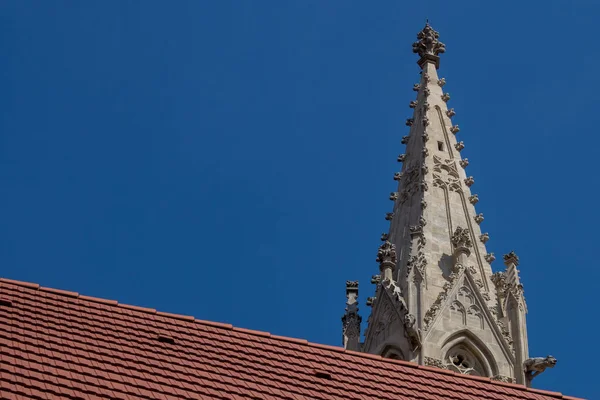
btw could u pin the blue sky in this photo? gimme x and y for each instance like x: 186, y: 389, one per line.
x: 232, y: 160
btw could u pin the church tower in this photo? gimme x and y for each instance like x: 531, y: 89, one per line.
x: 437, y: 301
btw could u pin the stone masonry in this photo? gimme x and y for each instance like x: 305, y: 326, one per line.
x: 437, y: 301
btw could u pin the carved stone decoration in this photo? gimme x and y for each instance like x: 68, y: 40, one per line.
x: 423, y: 204
x: 424, y: 169
x: 389, y: 216
x: 479, y: 218
x: 424, y: 186
x: 394, y: 196
x: 412, y: 334
x: 425, y: 121
x: 428, y: 43
x: 386, y: 253
x: 384, y: 237
x: 472, y: 270
x: 451, y: 113
x: 441, y: 82
x: 413, y: 104
x: 426, y: 92
x: 397, y: 176
x: 511, y: 258
x: 499, y: 280
x: 469, y: 181
x: 376, y: 279
x: 461, y: 238
x: 401, y: 157
x: 425, y: 152
x: 459, y: 146
x: 464, y: 162
x: 437, y: 305
x: 416, y: 87
x: 422, y: 221
x: 405, y: 139
x: 426, y: 104
x: 425, y: 137
x: 484, y: 238
x: 490, y: 257
x: 434, y: 362
x: 454, y: 129
x: 371, y: 301
x: 474, y: 199
x: 502, y: 378
x: 409, y: 121
x: 535, y: 366
x: 425, y: 77
x: 446, y: 97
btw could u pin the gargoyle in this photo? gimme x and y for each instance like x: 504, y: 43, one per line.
x: 412, y: 334
x: 535, y: 366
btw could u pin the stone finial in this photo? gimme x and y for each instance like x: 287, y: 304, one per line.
x: 459, y: 146
x: 461, y: 238
x: 511, y: 258
x: 351, y: 291
x: 464, y: 162
x: 405, y: 139
x: 446, y: 97
x: 490, y: 257
x: 428, y: 46
x: 386, y: 257
x: 409, y: 121
x: 351, y: 320
x: 454, y: 129
x: 474, y: 199
x: 479, y: 218
x: 469, y: 181
x: 386, y: 253
x: 484, y: 238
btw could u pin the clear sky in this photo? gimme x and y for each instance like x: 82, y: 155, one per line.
x: 232, y: 160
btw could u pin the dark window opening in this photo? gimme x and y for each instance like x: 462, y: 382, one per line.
x: 440, y: 146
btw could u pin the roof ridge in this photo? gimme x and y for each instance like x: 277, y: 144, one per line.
x: 253, y: 332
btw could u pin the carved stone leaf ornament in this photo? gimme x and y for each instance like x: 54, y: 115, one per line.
x: 428, y: 43
x: 386, y: 253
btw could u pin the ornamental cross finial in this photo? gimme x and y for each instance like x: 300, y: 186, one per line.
x: 428, y: 46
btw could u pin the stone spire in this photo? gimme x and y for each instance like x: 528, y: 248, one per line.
x: 351, y: 320
x: 436, y: 302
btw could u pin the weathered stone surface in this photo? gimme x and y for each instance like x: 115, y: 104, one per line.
x: 443, y: 274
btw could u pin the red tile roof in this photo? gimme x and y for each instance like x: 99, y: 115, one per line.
x: 61, y: 345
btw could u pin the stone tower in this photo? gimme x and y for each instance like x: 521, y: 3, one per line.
x: 437, y: 301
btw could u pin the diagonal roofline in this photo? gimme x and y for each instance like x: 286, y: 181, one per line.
x: 224, y: 326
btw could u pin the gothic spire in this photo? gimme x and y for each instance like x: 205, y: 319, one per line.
x: 436, y: 302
